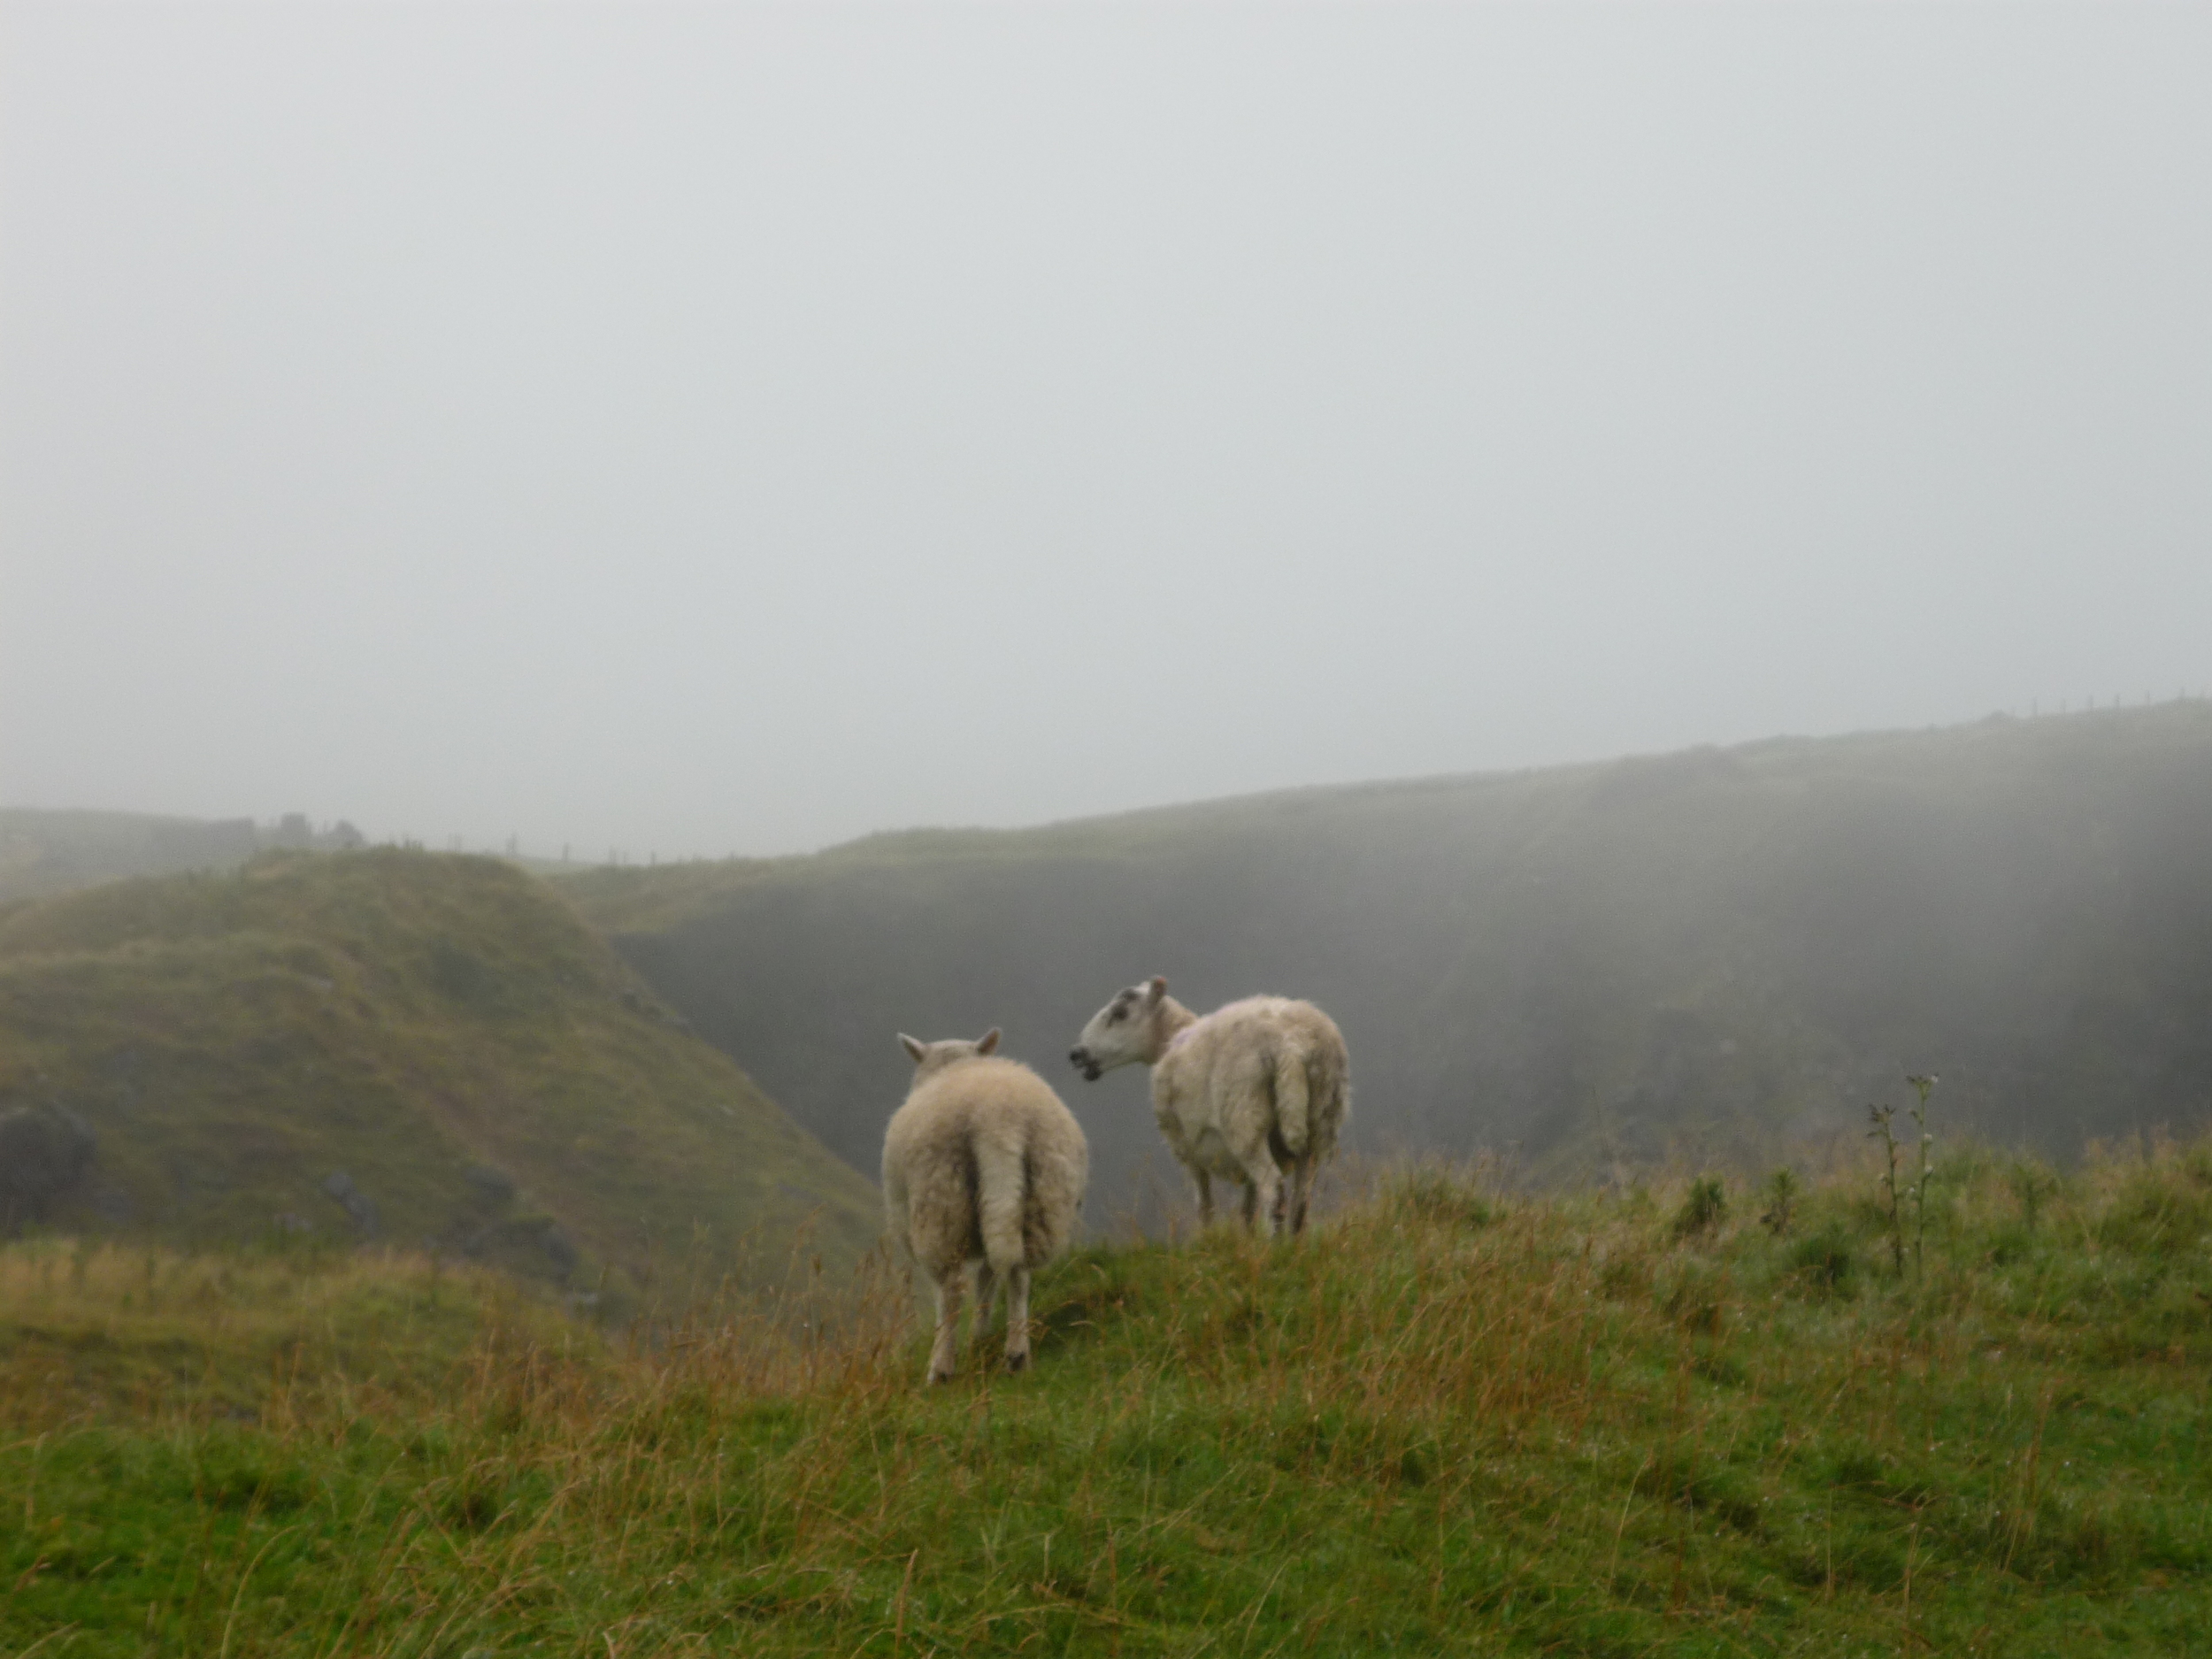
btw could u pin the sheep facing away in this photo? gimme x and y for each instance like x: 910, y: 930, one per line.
x: 983, y: 1164
x: 1254, y: 1093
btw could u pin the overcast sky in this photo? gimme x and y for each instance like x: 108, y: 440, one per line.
x: 728, y: 428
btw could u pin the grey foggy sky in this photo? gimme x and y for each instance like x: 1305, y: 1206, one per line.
x: 716, y: 428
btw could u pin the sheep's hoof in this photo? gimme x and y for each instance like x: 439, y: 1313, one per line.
x: 1017, y: 1362
x: 936, y: 1376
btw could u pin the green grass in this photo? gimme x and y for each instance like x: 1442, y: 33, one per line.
x: 1448, y: 1421
x: 90, y: 1330
x: 442, y: 1030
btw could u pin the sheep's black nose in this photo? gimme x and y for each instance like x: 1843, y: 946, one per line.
x: 1075, y: 1057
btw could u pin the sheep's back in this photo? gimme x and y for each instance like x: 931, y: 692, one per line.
x: 1218, y: 1071
x: 1251, y: 1032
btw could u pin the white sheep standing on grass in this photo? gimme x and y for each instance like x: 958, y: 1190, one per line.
x: 1253, y: 1092
x: 982, y: 1164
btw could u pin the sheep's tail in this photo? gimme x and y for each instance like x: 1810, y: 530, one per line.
x: 1293, y: 1103
x: 1331, y: 1103
x: 1001, y: 1195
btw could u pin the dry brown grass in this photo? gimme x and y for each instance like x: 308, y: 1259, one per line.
x: 1450, y: 1419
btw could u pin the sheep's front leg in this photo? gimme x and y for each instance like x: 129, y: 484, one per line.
x: 942, y: 1352
x: 1018, y: 1318
x: 1205, y: 1199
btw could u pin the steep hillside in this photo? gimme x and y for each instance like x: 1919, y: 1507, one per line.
x: 1719, y: 954
x: 406, y: 1047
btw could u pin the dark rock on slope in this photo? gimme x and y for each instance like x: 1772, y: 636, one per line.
x: 44, y: 1152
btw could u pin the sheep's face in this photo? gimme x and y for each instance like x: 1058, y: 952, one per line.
x: 931, y: 1058
x: 1121, y: 1032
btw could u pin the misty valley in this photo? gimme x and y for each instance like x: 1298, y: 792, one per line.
x: 1124, y: 829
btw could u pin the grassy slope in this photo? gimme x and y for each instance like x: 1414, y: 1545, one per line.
x: 401, y: 1017
x: 1696, y: 954
x: 1434, y: 1426
x: 137, y: 1332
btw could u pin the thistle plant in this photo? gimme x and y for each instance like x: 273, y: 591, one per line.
x: 1702, y: 1208
x: 1781, y: 1196
x: 1921, y: 1087
x: 1883, y: 1132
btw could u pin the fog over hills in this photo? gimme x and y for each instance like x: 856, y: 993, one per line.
x: 1713, y: 956
x: 698, y: 429
x: 43, y: 853
x: 1717, y: 956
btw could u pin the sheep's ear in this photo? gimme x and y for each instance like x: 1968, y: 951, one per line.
x: 1156, y: 990
x: 987, y: 1042
x: 915, y: 1049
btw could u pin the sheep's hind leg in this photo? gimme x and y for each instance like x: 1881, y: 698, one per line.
x: 1261, y: 1193
x: 1300, y: 1191
x: 943, y: 1354
x: 986, y: 1303
x: 1018, y: 1318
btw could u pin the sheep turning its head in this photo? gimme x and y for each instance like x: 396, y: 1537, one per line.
x: 1123, y: 1032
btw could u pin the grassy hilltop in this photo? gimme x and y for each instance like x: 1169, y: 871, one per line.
x: 1719, y: 954
x: 1446, y: 1422
x: 392, y: 1047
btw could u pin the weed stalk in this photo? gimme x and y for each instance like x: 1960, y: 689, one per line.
x: 1921, y: 1087
x: 1883, y: 1132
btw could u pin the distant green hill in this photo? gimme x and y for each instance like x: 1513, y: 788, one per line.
x: 407, y: 1047
x: 1718, y: 955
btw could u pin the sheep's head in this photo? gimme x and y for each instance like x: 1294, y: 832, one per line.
x: 1122, y: 1032
x: 935, y: 1056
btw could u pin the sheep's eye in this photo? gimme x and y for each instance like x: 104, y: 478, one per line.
x: 1113, y: 1013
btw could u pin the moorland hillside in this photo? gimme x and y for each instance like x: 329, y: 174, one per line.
x: 388, y: 1046
x: 1717, y: 956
